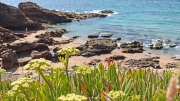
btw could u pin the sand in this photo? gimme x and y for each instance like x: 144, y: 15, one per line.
x: 75, y: 60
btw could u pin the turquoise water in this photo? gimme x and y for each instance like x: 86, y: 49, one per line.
x: 142, y: 20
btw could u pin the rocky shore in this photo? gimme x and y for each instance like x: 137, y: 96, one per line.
x: 17, y: 49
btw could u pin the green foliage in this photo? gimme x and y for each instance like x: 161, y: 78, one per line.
x: 101, y: 83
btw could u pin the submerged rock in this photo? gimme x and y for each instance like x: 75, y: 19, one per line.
x: 93, y: 36
x: 106, y: 35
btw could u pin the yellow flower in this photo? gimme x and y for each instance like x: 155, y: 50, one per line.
x: 68, y: 50
x: 20, y: 84
x: 57, y: 68
x: 116, y: 94
x: 72, y: 97
x: 82, y: 69
x: 38, y: 64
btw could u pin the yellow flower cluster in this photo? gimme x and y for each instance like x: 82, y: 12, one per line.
x: 135, y: 98
x: 38, y: 64
x: 116, y: 95
x: 82, y: 69
x: 2, y: 71
x: 20, y: 84
x: 72, y: 97
x: 55, y: 68
x: 68, y: 50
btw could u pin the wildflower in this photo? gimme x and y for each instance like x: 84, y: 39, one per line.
x: 2, y: 71
x: 175, y: 71
x: 20, y: 84
x: 38, y: 64
x: 55, y: 68
x: 117, y: 95
x: 135, y: 98
x: 82, y: 69
x: 72, y: 97
x: 68, y: 50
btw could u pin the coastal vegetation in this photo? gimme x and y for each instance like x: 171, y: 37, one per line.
x: 102, y: 82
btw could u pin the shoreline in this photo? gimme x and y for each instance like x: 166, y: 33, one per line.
x: 77, y: 60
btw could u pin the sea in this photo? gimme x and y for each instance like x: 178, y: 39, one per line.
x: 142, y: 20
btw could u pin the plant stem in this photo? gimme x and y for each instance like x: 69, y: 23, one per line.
x: 66, y: 64
x: 50, y: 87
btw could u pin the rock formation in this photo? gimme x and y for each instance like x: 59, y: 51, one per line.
x: 8, y: 57
x: 13, y: 18
x: 97, y: 46
x: 133, y: 47
x: 56, y: 33
x: 6, y: 35
x: 27, y: 46
x: 43, y: 54
x: 143, y: 63
x: 42, y: 15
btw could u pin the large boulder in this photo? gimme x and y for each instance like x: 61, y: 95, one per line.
x: 6, y: 35
x: 8, y: 57
x: 27, y: 46
x: 132, y: 47
x: 42, y: 15
x: 43, y: 54
x: 13, y: 18
x: 96, y: 47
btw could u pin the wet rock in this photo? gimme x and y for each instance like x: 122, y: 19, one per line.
x: 158, y: 44
x: 13, y: 18
x: 132, y: 47
x: 107, y: 11
x: 74, y: 37
x: 172, y: 45
x: 93, y: 36
x: 116, y: 57
x: 94, y: 61
x: 106, y: 35
x: 143, y: 63
x: 96, y: 47
x: 117, y: 39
